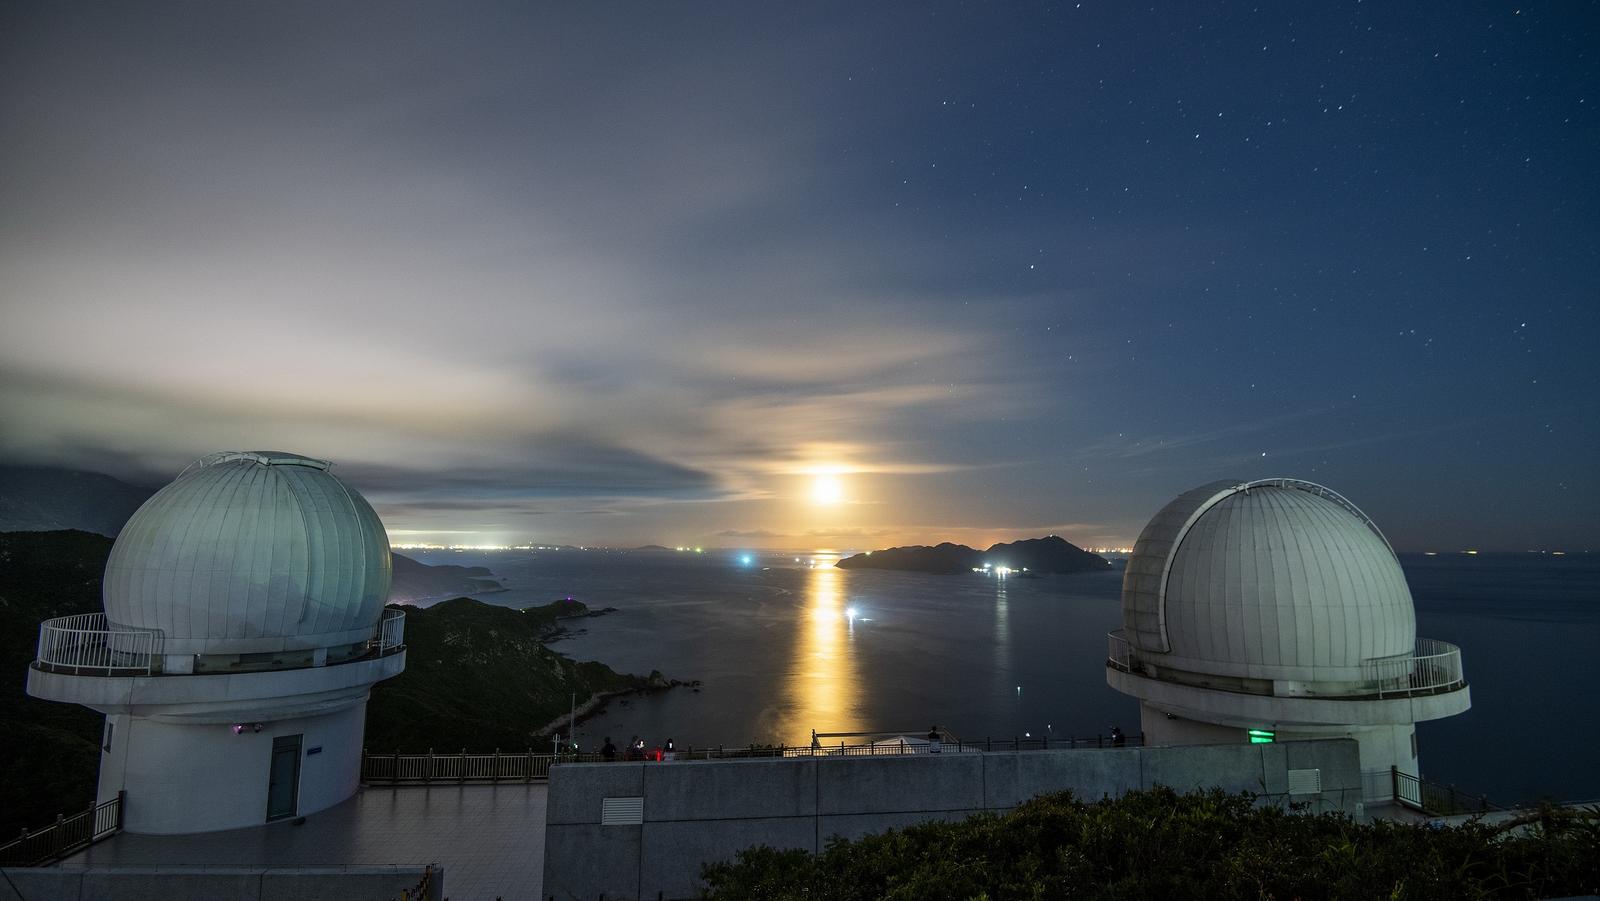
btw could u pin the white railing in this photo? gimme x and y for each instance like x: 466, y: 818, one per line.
x: 391, y: 631
x: 1434, y: 667
x: 86, y: 644
x: 1118, y: 652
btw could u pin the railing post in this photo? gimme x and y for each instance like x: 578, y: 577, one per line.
x: 1394, y: 783
x: 461, y: 772
x: 427, y: 770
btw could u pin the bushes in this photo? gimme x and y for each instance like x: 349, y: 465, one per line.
x: 1159, y: 844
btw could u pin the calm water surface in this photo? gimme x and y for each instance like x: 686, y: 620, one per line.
x: 778, y: 655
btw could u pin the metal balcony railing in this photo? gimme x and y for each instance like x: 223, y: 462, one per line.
x: 1434, y: 668
x: 391, y: 635
x: 87, y: 645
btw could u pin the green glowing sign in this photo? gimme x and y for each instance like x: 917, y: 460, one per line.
x: 1262, y: 737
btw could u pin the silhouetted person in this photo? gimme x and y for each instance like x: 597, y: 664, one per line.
x: 669, y: 752
x: 935, y: 743
x: 1117, y: 738
x: 608, y: 751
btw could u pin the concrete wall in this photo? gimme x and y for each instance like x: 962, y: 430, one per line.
x: 701, y: 811
x: 1381, y: 747
x: 215, y: 884
x: 200, y: 777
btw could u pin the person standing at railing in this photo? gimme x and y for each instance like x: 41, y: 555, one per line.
x: 668, y: 752
x: 935, y: 742
x: 608, y: 751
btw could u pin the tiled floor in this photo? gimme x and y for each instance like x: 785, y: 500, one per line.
x: 489, y: 838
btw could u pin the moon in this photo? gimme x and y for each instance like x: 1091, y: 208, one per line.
x: 827, y: 490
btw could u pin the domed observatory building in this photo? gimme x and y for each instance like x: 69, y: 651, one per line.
x: 244, y: 627
x: 1275, y: 610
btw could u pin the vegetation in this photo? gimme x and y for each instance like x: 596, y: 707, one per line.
x: 51, y: 750
x: 479, y: 677
x: 1159, y: 844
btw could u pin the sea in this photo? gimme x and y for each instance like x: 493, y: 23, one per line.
x: 782, y: 646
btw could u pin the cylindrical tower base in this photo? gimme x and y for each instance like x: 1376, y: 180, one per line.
x: 202, y: 777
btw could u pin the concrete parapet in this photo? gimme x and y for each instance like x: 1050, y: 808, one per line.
x: 702, y: 811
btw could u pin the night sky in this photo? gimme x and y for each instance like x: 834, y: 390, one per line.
x: 812, y: 276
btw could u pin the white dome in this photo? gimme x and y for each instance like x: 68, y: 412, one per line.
x: 1275, y: 579
x: 251, y: 552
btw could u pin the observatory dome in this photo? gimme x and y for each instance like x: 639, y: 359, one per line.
x: 251, y: 552
x: 1273, y: 579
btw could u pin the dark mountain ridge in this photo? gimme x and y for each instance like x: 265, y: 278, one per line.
x: 46, y: 498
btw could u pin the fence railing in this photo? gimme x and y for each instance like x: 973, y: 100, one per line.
x: 391, y: 635
x: 66, y: 835
x: 532, y: 766
x: 1434, y: 667
x: 86, y: 644
x: 1119, y: 653
x: 1434, y: 799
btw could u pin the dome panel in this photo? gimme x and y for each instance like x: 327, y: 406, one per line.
x: 251, y: 552
x: 1276, y: 579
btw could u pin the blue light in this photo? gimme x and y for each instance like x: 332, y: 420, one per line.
x: 746, y: 559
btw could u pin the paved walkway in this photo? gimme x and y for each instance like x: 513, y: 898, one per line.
x: 489, y: 838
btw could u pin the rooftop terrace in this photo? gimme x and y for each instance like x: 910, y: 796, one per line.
x: 488, y: 838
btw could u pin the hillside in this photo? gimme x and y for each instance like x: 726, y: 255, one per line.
x: 1051, y: 554
x: 46, y: 498
x: 479, y: 677
x: 415, y: 582
x: 51, y: 750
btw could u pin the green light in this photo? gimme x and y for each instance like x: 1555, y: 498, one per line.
x: 1262, y: 737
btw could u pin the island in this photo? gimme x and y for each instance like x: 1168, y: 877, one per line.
x: 1051, y: 554
x: 417, y: 583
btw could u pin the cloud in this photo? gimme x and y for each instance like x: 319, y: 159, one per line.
x: 751, y: 533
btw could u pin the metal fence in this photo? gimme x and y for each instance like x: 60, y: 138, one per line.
x: 1434, y: 667
x: 531, y: 766
x: 86, y: 644
x: 1434, y: 799
x: 66, y: 835
x: 1119, y: 653
x: 391, y: 635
